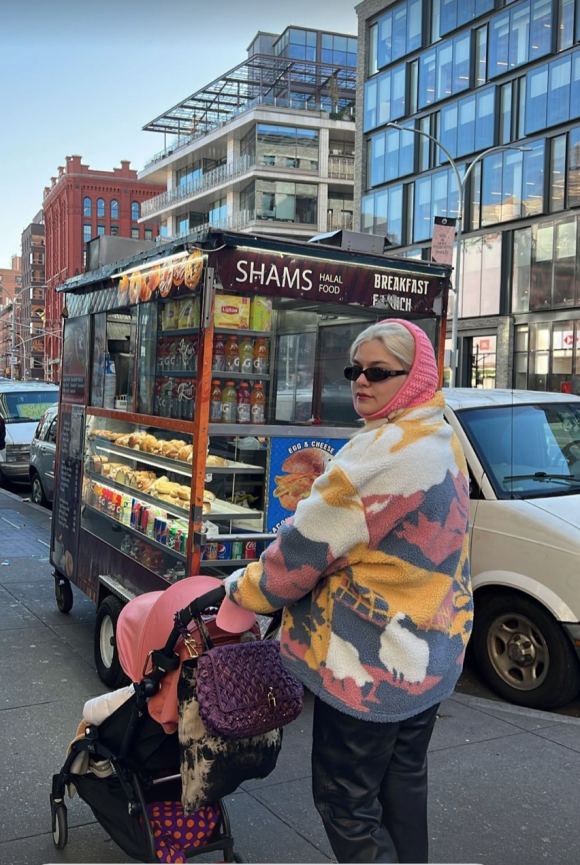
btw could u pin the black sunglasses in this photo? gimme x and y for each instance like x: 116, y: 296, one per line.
x: 372, y: 374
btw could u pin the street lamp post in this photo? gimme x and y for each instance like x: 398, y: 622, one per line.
x: 461, y: 184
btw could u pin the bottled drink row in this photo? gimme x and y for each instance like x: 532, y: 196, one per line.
x: 229, y: 404
x: 230, y: 354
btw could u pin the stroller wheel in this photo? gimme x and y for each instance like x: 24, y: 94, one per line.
x: 60, y: 827
x: 239, y: 858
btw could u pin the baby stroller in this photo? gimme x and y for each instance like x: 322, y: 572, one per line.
x: 138, y: 791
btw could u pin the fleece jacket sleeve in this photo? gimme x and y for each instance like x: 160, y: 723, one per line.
x: 316, y: 542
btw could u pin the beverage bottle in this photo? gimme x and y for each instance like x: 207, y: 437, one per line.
x: 232, y: 355
x: 244, y: 412
x: 258, y: 404
x: 160, y: 352
x: 229, y: 403
x: 175, y: 401
x: 261, y: 357
x: 215, y: 405
x: 246, y: 356
x: 219, y: 354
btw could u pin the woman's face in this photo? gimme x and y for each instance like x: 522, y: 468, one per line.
x: 371, y: 397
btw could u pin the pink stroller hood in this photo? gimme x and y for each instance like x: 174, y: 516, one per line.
x: 145, y: 624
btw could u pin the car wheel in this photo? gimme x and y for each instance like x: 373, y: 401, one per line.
x: 105, y: 643
x: 37, y: 494
x: 523, y: 652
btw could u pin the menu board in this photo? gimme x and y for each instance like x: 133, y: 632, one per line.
x: 70, y: 447
x: 295, y: 463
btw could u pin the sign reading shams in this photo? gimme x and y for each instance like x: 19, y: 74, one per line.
x: 338, y: 282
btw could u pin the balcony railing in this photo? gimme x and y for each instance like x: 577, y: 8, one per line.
x: 341, y: 167
x: 310, y: 106
x: 208, y: 181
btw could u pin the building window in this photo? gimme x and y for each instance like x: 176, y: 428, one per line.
x: 135, y: 233
x: 100, y: 230
x: 287, y: 147
x: 557, y: 173
x: 481, y: 56
x: 114, y: 230
x: 537, y: 99
x: 545, y: 266
x: 373, y: 49
x: 469, y: 124
x: 338, y: 50
x: 148, y: 234
x: 399, y: 32
x: 382, y: 213
x: 444, y: 70
x: 100, y: 208
x: 392, y: 155
x: 505, y: 115
x: 385, y: 98
x: 553, y: 93
x: 114, y: 209
x: 87, y: 206
x: 566, y: 24
x: 135, y: 211
x: 287, y: 202
x: 574, y: 167
x: 534, y: 179
x: 481, y: 276
x: 435, y: 195
x: 87, y: 233
x: 450, y: 14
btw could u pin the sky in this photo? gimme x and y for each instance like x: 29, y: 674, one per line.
x: 80, y: 77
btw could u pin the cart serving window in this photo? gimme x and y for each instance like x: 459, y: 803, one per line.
x: 202, y: 393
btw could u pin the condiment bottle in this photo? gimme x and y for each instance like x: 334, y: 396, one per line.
x: 244, y: 413
x: 261, y: 356
x: 215, y: 406
x: 232, y: 355
x: 229, y: 403
x: 258, y: 404
x: 219, y: 354
x: 246, y: 356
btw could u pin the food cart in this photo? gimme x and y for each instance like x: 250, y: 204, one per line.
x: 202, y: 392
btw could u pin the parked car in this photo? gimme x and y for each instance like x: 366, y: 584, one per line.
x: 523, y: 451
x: 42, y: 458
x: 22, y: 404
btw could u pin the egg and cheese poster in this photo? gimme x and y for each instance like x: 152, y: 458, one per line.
x: 294, y: 466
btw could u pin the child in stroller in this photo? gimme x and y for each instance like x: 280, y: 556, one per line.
x: 137, y: 797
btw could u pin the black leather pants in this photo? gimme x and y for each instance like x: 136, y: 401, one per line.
x: 369, y: 783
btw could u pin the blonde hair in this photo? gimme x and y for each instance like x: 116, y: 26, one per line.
x: 394, y: 337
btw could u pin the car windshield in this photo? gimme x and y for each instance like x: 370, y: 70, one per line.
x: 527, y: 451
x: 26, y: 406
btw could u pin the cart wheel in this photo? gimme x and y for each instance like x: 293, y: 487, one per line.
x: 63, y: 593
x: 105, y: 643
x: 60, y: 827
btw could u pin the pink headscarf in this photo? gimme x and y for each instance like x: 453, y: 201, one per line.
x: 423, y: 379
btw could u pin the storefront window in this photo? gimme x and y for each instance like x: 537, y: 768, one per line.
x: 562, y: 352
x: 483, y: 361
x: 480, y: 288
x: 542, y: 258
x: 565, y: 242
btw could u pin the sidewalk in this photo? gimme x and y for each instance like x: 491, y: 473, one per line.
x: 503, y: 780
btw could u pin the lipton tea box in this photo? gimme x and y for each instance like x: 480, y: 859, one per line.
x: 232, y: 311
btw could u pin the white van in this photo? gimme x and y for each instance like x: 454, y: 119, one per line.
x: 523, y: 451
x: 22, y: 404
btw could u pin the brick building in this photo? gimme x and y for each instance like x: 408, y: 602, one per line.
x: 80, y: 204
x: 10, y: 285
x: 31, y: 343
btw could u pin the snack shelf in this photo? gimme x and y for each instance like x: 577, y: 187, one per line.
x: 137, y: 534
x: 220, y: 563
x: 229, y: 511
x: 176, y: 373
x: 239, y: 376
x: 172, y: 465
x: 175, y: 510
x: 155, y: 460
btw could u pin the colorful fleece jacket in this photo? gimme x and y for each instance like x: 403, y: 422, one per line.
x: 373, y: 571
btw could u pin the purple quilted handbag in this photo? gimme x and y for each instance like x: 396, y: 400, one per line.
x: 244, y: 690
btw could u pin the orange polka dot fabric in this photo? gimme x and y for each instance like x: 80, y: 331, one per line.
x: 176, y: 832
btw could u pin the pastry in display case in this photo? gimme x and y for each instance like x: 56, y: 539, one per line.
x: 137, y: 493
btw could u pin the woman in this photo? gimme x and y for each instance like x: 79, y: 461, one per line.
x: 373, y: 574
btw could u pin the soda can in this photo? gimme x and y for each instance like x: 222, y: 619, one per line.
x: 171, y: 538
x: 224, y: 550
x: 211, y: 551
x: 250, y: 551
x: 162, y: 531
x: 237, y: 549
x: 183, y: 543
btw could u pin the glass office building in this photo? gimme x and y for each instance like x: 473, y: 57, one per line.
x: 476, y: 74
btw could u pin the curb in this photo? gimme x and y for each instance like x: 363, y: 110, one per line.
x: 509, y: 708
